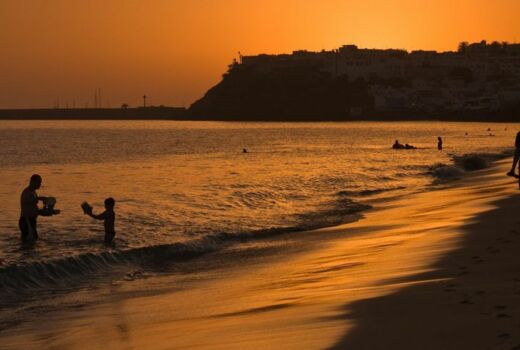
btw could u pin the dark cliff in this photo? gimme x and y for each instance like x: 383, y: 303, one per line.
x: 295, y: 93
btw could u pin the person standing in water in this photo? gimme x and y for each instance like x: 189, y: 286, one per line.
x: 516, y: 156
x: 439, y: 143
x: 108, y: 216
x: 29, y: 209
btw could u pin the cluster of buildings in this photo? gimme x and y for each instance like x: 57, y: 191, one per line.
x: 478, y: 76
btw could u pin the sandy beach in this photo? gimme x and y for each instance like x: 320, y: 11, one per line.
x: 236, y: 175
x: 435, y: 270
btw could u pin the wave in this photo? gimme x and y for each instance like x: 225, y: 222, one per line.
x: 465, y: 163
x: 371, y: 192
x: 21, y: 280
x: 65, y: 273
x: 444, y: 171
x: 338, y: 211
x: 478, y: 161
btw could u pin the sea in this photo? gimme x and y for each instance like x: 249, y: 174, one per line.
x: 187, y: 189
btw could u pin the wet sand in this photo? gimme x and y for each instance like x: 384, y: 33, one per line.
x: 436, y: 270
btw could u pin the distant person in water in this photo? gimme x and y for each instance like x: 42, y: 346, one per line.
x: 29, y: 209
x: 244, y: 150
x: 516, y: 156
x: 108, y: 216
x: 439, y: 143
x: 397, y: 145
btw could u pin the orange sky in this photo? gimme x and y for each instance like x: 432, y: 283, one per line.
x: 174, y: 50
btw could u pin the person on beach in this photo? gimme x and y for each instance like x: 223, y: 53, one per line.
x: 439, y: 143
x: 516, y: 156
x: 29, y: 209
x: 108, y: 216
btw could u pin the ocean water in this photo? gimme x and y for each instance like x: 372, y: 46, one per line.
x: 186, y: 188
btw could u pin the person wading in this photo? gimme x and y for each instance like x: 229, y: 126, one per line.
x: 29, y: 209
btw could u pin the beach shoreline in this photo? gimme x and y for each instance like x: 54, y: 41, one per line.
x: 387, y: 281
x: 469, y: 299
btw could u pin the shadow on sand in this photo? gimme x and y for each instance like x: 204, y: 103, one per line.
x: 477, y: 306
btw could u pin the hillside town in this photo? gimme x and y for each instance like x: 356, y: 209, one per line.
x: 478, y: 76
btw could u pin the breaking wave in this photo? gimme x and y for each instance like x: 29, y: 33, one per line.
x: 465, y: 163
x: 64, y: 273
x: 372, y: 192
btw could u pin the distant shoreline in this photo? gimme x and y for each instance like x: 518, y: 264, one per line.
x: 141, y: 113
x: 180, y: 113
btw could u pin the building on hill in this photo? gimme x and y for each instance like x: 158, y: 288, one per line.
x: 355, y: 81
x: 484, y: 60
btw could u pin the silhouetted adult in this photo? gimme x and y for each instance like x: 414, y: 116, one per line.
x: 29, y: 209
x: 439, y: 143
x: 516, y: 156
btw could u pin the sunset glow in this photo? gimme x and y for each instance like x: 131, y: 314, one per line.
x: 175, y: 50
x: 274, y: 174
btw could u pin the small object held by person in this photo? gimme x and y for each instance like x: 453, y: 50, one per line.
x: 48, y: 207
x: 87, y: 208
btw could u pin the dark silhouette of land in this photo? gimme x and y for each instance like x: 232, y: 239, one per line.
x: 264, y: 113
x: 148, y: 113
x: 475, y: 83
x: 478, y: 82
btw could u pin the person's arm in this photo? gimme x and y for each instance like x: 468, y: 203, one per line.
x: 101, y: 216
x: 41, y: 198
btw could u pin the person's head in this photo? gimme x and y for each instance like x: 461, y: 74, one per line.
x: 396, y: 141
x: 439, y: 138
x: 110, y: 203
x: 35, y: 182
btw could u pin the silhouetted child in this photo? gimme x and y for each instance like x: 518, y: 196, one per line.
x: 108, y: 216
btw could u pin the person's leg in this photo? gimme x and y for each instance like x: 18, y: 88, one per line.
x: 109, y: 237
x: 515, y: 162
x: 24, y: 230
x: 518, y: 173
x: 33, y: 224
